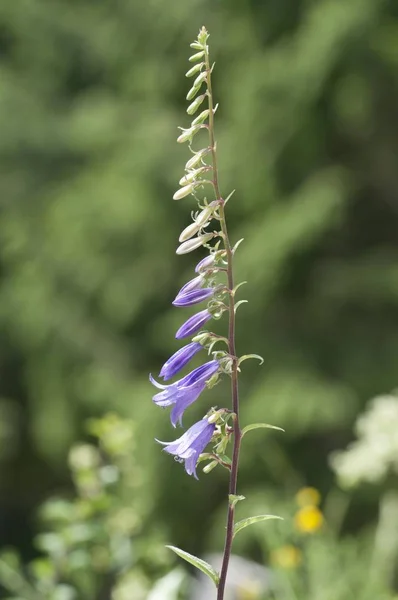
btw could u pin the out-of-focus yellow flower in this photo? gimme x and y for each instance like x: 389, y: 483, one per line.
x: 286, y: 557
x: 308, y: 519
x: 249, y: 590
x: 308, y: 496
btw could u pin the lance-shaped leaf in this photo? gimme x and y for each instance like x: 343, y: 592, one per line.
x: 200, y: 564
x: 251, y: 520
x: 260, y: 426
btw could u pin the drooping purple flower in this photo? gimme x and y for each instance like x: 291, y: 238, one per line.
x: 193, y: 324
x: 205, y: 263
x: 191, y: 444
x: 194, y: 284
x: 193, y: 297
x: 179, y: 359
x: 185, y: 391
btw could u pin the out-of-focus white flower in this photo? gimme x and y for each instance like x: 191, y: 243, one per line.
x: 246, y: 579
x: 375, y: 452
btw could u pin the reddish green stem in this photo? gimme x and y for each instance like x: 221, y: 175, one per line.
x: 231, y: 345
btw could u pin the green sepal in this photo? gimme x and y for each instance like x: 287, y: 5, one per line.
x: 260, y: 426
x: 233, y: 499
x: 200, y: 564
x: 251, y: 520
x: 225, y: 459
x: 247, y: 356
x: 239, y: 303
x: 238, y: 243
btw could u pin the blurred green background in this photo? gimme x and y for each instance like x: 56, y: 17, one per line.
x: 91, y: 95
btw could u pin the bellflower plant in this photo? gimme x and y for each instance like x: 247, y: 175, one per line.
x: 214, y: 284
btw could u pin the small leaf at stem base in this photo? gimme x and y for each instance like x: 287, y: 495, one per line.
x: 200, y: 564
x: 251, y: 520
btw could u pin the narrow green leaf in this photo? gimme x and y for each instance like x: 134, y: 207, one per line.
x: 239, y: 304
x: 260, y: 426
x: 247, y: 356
x: 200, y: 564
x: 251, y: 520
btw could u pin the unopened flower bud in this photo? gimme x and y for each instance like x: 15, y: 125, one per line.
x: 200, y: 118
x: 196, y: 56
x: 188, y: 232
x: 184, y: 191
x: 190, y: 245
x: 196, y: 46
x: 203, y: 36
x: 190, y: 177
x: 209, y: 467
x: 193, y: 91
x: 194, y: 284
x: 205, y: 263
x: 196, y: 158
x: 188, y: 134
x: 192, y: 108
x: 200, y: 79
x: 193, y: 70
x: 204, y: 216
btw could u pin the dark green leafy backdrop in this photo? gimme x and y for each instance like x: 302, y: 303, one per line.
x: 91, y: 95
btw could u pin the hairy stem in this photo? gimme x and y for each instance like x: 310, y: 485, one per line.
x: 231, y: 345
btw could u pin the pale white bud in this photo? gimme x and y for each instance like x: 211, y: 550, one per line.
x: 189, y: 232
x: 188, y: 134
x: 200, y: 79
x: 201, y: 117
x: 195, y: 69
x: 192, y: 108
x: 193, y: 91
x: 184, y: 191
x: 196, y: 56
x: 190, y: 177
x: 196, y: 158
x: 190, y: 245
x: 204, y: 216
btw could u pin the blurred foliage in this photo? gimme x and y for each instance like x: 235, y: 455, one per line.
x: 94, y: 544
x: 91, y: 97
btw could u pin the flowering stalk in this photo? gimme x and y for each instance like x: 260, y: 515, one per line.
x: 220, y: 426
x: 233, y: 478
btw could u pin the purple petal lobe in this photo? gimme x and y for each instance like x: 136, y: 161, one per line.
x: 191, y: 444
x: 185, y: 391
x: 179, y: 359
x: 193, y: 324
x: 193, y: 297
